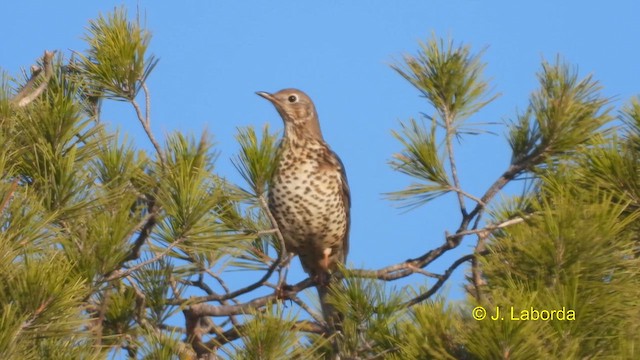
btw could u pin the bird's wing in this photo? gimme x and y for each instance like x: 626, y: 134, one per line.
x: 333, y: 160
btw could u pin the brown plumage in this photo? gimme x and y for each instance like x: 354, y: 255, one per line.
x: 309, y: 194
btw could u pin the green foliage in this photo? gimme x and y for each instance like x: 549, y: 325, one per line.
x: 257, y: 159
x: 116, y: 64
x: 370, y: 311
x: 449, y: 77
x: 631, y: 117
x: 40, y: 298
x: 271, y: 335
x: 165, y: 346
x: 576, y: 252
x: 431, y: 330
x: 421, y: 160
x: 562, y: 115
x: 55, y: 144
x: 188, y: 194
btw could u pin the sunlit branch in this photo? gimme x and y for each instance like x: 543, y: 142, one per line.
x: 29, y: 91
x: 120, y: 274
x: 145, y: 121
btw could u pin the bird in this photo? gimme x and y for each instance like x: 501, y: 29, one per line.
x: 309, y: 195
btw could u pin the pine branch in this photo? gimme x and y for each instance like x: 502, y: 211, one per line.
x: 415, y: 265
x: 450, y: 132
x: 202, y: 309
x: 145, y: 121
x: 445, y: 276
x: 146, y: 227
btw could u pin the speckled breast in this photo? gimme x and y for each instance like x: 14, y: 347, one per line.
x: 306, y: 199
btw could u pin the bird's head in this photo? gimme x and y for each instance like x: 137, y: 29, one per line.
x: 297, y: 111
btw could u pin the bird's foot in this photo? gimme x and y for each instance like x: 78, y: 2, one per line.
x: 282, y: 291
x: 323, y: 278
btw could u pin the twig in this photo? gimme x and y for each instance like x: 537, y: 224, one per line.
x: 466, y: 194
x: 488, y: 228
x: 29, y: 91
x: 410, y: 266
x: 201, y: 309
x: 146, y: 224
x: 440, y: 281
x: 274, y: 226
x: 35, y: 315
x: 120, y: 274
x: 145, y: 120
x: 448, y: 121
x: 476, y: 273
x: 314, y: 314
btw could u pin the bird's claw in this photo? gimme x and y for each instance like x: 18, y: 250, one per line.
x: 282, y: 291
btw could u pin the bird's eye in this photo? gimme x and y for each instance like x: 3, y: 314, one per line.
x: 292, y: 98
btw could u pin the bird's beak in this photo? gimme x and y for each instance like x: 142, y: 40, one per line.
x: 266, y: 95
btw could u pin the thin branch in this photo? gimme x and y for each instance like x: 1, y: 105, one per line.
x: 202, y: 309
x: 146, y: 225
x: 29, y: 91
x: 120, y: 274
x: 476, y: 272
x: 274, y: 226
x: 27, y: 323
x: 411, y: 266
x: 99, y: 321
x: 314, y: 314
x: 145, y: 120
x: 172, y: 328
x: 147, y: 104
x: 448, y: 121
x: 440, y: 281
x: 466, y: 194
x: 489, y: 228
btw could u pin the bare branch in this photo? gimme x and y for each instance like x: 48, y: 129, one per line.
x: 274, y: 225
x: 314, y: 314
x: 29, y: 91
x: 146, y: 225
x: 201, y: 309
x: 145, y: 120
x: 450, y: 131
x: 415, y: 265
x: 476, y: 273
x: 440, y: 281
x: 120, y: 274
x: 466, y: 194
x: 489, y: 228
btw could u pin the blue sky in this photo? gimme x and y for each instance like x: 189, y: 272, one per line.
x: 215, y: 54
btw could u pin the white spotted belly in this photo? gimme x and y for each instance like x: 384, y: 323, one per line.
x: 308, y: 206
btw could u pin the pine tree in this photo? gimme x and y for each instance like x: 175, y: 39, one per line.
x: 110, y: 251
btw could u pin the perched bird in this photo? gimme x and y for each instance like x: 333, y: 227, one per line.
x: 309, y: 195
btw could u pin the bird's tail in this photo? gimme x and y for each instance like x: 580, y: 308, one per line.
x: 331, y: 315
